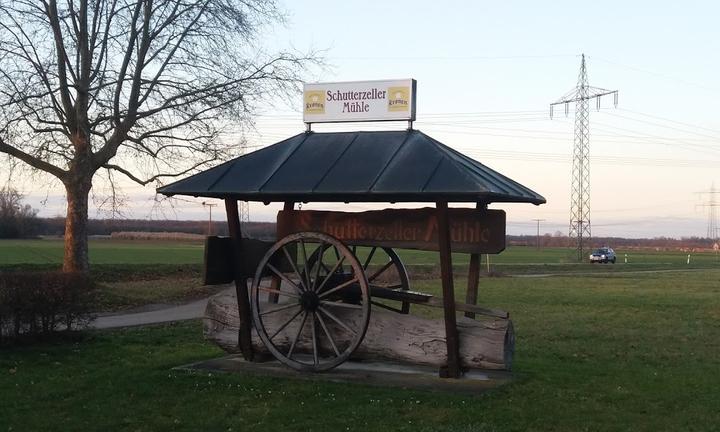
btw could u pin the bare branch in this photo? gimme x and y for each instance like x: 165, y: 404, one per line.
x: 62, y: 58
x: 32, y: 160
x: 139, y: 181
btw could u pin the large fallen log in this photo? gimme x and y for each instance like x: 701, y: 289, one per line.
x: 484, y: 344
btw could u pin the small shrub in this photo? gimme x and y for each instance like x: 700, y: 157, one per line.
x: 38, y: 304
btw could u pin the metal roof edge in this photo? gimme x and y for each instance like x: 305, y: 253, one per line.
x: 449, y: 151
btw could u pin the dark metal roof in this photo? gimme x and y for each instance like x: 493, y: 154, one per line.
x: 393, y: 166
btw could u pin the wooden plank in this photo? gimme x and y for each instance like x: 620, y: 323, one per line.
x: 452, y: 340
x: 244, y: 335
x: 470, y: 230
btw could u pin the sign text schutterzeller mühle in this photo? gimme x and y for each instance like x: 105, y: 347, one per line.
x: 359, y: 101
x: 471, y: 230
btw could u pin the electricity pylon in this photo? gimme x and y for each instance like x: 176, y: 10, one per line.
x: 580, y: 188
x: 712, y: 205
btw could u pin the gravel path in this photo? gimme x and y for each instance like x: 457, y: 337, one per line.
x: 153, y: 314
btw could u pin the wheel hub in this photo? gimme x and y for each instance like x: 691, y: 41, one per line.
x: 309, y: 301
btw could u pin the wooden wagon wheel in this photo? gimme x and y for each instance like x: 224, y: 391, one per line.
x: 323, y: 313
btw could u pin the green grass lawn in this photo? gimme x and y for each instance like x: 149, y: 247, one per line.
x: 597, y: 353
x: 103, y: 251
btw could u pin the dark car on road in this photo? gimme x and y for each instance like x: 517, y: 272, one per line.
x: 603, y: 255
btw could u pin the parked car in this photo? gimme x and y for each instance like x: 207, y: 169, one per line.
x: 603, y: 255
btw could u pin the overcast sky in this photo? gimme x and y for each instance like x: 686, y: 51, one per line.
x: 486, y: 74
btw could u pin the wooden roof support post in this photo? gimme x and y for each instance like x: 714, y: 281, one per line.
x: 244, y: 336
x: 471, y: 295
x: 452, y: 340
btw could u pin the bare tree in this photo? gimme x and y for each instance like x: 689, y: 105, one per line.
x: 17, y: 220
x: 139, y: 87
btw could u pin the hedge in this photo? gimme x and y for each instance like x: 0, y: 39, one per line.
x: 35, y: 304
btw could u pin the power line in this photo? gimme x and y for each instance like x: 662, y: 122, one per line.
x: 670, y: 120
x: 408, y: 58
x: 603, y: 160
x: 657, y: 74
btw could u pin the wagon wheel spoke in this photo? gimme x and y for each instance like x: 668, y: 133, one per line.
x: 369, y: 258
x: 337, y: 320
x: 282, y: 327
x: 327, y: 277
x: 297, y: 336
x: 327, y: 269
x: 327, y: 333
x: 294, y: 267
x: 278, y: 292
x: 339, y: 287
x: 380, y: 271
x: 314, y: 339
x: 305, y: 262
x: 321, y: 251
x: 339, y: 269
x: 285, y: 278
x: 281, y: 308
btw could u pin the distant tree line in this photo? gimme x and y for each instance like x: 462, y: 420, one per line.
x: 662, y: 243
x: 56, y: 227
x: 17, y: 220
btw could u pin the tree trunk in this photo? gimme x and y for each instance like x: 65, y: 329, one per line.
x: 76, y: 232
x: 484, y: 344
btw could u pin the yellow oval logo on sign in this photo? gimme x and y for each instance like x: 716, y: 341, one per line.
x: 314, y: 102
x: 398, y: 98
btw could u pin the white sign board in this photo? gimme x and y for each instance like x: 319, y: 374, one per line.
x: 359, y: 101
